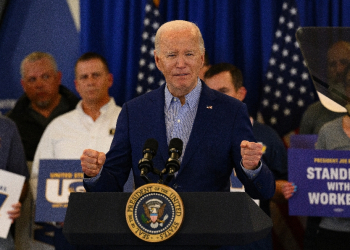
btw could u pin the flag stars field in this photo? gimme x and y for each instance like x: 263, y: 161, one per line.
x: 287, y: 87
x: 149, y: 77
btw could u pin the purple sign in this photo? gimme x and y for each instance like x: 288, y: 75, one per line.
x: 323, y: 180
x: 303, y: 141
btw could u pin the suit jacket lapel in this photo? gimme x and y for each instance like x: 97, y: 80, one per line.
x: 158, y: 127
x: 201, y: 123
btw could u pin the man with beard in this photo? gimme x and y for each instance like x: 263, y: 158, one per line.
x: 43, y: 100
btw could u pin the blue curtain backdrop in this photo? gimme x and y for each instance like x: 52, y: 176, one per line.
x: 240, y: 32
x: 36, y: 25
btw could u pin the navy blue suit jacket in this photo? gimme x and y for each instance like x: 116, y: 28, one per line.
x: 213, y: 149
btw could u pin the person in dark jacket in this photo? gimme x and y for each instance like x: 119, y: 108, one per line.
x: 43, y: 100
x: 228, y: 79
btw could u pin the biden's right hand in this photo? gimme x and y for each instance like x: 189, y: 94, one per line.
x: 92, y: 162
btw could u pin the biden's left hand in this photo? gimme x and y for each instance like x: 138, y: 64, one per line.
x: 251, y: 153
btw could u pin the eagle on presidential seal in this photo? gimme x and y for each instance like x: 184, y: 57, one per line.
x: 154, y: 210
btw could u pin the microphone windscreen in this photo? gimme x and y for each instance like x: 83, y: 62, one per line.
x: 177, y: 144
x: 151, y: 144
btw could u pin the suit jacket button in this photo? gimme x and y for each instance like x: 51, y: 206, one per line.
x: 175, y: 186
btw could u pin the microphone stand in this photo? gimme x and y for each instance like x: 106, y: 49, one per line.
x: 169, y: 178
x: 145, y: 177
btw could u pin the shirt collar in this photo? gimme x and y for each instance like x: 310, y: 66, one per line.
x: 191, y: 98
x: 103, y: 109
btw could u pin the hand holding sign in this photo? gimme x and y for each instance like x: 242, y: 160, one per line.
x: 288, y: 189
x: 15, y: 212
x: 11, y: 185
x: 92, y: 162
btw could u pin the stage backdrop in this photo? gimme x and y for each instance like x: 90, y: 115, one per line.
x: 239, y: 32
x: 36, y: 25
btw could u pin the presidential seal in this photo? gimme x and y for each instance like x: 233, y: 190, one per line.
x: 154, y: 212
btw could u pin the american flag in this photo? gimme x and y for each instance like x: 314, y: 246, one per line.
x: 287, y: 89
x: 149, y: 77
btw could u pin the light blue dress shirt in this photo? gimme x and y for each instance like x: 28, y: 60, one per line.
x: 179, y: 118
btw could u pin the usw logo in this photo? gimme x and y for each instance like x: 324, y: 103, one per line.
x: 58, y: 190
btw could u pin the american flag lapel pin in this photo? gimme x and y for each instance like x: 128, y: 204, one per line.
x: 209, y: 107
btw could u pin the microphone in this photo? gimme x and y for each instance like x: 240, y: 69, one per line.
x: 173, y: 163
x: 145, y: 164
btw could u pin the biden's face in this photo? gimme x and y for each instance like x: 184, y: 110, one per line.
x: 180, y: 59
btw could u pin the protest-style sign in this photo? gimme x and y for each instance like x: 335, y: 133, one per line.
x: 303, y: 141
x: 323, y: 180
x: 56, y: 180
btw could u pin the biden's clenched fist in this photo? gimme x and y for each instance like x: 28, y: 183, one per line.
x: 251, y: 153
x: 92, y: 162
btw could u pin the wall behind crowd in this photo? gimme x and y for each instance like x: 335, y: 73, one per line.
x: 240, y: 32
x: 35, y: 25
